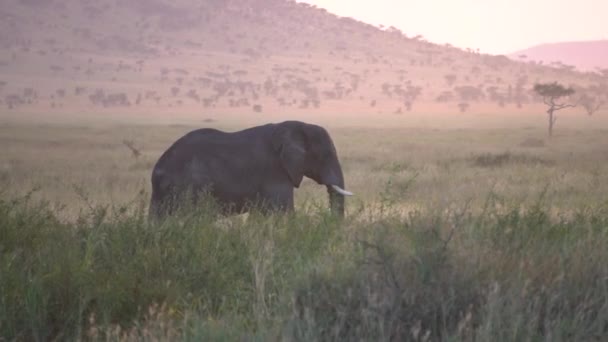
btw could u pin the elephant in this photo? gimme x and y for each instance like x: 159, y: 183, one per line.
x: 258, y: 167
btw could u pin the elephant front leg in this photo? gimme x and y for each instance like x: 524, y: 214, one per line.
x: 277, y: 199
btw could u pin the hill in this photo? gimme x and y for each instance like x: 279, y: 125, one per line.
x: 186, y: 56
x: 583, y: 55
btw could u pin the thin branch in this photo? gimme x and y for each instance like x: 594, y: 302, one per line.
x: 131, y: 146
x: 562, y: 106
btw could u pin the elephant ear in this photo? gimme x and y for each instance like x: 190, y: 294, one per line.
x: 289, y: 143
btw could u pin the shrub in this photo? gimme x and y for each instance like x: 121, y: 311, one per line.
x: 503, y: 273
x: 505, y: 158
x: 112, y: 265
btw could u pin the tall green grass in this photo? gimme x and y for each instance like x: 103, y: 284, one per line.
x: 507, y: 273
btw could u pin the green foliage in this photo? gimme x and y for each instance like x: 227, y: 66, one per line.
x: 552, y: 90
x: 507, y: 272
x: 55, y: 275
x: 506, y: 158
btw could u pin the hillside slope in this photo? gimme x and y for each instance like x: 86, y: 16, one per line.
x: 220, y: 56
x: 584, y: 55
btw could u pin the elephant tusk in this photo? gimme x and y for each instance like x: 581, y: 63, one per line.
x: 342, y: 191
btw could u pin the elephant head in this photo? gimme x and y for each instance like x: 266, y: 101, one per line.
x: 308, y: 150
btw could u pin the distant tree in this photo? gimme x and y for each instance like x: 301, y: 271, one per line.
x: 408, y: 105
x: 78, y: 90
x: 445, y: 96
x: 29, y: 92
x: 591, y: 103
x: 450, y: 79
x: 469, y: 93
x: 603, y: 72
x: 551, y: 93
x: 463, y: 106
x: 193, y: 95
x: 13, y: 100
x: 593, y: 97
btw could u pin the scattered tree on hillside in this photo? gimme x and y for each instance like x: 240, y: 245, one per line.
x: 193, y: 95
x: 13, y: 100
x: 551, y: 93
x: 593, y: 97
x: 591, y: 103
x: 603, y: 72
x: 450, y: 79
x: 519, y: 97
x: 445, y: 96
x: 463, y: 106
x: 79, y: 90
x: 408, y: 105
x: 469, y: 93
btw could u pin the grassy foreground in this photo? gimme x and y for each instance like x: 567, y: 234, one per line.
x: 483, y: 230
x: 504, y: 274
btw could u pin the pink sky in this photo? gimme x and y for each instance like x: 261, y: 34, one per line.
x: 493, y: 26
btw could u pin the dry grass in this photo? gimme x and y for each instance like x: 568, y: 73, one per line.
x: 455, y: 233
x: 414, y: 166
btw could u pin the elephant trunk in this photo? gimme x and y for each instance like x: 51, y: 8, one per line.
x: 333, y: 179
x: 336, y: 202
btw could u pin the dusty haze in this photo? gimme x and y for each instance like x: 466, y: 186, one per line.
x: 239, y: 57
x: 494, y: 26
x: 468, y: 223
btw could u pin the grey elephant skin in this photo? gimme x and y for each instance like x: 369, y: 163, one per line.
x: 256, y: 167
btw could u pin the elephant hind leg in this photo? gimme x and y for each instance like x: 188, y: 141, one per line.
x: 158, y: 209
x: 163, y: 201
x: 162, y: 205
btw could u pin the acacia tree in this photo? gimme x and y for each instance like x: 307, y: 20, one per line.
x: 590, y: 103
x: 593, y: 97
x: 551, y: 93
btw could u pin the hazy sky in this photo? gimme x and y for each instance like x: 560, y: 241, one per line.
x: 493, y: 26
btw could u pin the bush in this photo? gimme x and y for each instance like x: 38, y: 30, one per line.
x: 112, y: 266
x: 405, y: 285
x: 504, y: 273
x: 506, y: 158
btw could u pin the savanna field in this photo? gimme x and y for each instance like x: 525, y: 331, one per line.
x: 463, y: 227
